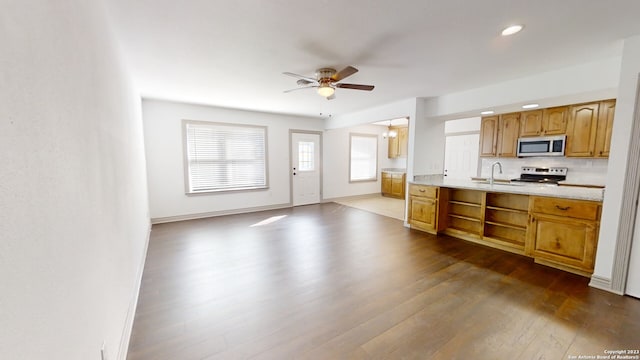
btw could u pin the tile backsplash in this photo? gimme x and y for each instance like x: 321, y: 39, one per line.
x: 581, y: 171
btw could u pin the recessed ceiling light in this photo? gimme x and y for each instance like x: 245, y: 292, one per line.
x: 488, y: 112
x: 512, y: 30
x: 530, y: 106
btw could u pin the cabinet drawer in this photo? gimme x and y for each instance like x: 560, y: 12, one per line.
x: 423, y: 191
x: 564, y: 207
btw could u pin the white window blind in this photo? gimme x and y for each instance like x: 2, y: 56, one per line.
x: 223, y: 157
x: 364, y: 158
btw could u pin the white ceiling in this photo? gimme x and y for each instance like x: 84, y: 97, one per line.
x: 232, y: 53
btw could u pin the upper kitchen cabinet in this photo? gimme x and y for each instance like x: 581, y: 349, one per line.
x: 605, y: 127
x: 551, y: 121
x: 589, y: 129
x: 508, y: 133
x: 531, y: 123
x: 489, y: 136
x: 554, y: 120
x: 398, y: 144
x: 581, y: 130
x: 499, y: 135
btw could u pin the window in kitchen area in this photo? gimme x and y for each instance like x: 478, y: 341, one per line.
x: 224, y: 157
x: 363, y: 161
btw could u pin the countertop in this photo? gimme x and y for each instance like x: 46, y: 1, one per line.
x: 394, y: 170
x: 569, y: 192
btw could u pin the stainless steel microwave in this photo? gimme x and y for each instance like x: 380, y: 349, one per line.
x: 541, y: 146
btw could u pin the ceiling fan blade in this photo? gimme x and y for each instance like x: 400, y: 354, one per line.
x: 309, y: 79
x: 348, y: 71
x: 356, y: 86
x: 299, y: 88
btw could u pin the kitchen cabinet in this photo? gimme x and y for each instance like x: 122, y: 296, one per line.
x: 581, y: 130
x: 393, y: 184
x: 499, y: 135
x: 424, y: 210
x: 605, y: 128
x: 544, y: 122
x: 589, y: 129
x: 489, y: 136
x: 554, y: 120
x: 398, y: 144
x: 403, y: 141
x: 531, y: 123
x: 508, y: 133
x: 564, y: 233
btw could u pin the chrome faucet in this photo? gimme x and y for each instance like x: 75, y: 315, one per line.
x: 493, y: 167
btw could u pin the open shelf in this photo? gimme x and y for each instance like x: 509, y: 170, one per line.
x: 461, y: 223
x: 508, y: 201
x: 506, y: 234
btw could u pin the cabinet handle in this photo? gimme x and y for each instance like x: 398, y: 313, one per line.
x: 421, y: 190
x: 563, y: 208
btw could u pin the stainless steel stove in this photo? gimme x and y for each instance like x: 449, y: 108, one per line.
x: 549, y: 175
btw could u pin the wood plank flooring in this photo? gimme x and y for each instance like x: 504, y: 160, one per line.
x: 332, y: 282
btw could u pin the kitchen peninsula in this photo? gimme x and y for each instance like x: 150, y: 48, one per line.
x: 556, y: 225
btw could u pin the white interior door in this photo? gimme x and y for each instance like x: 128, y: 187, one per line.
x: 633, y: 278
x: 305, y: 172
x: 461, y: 156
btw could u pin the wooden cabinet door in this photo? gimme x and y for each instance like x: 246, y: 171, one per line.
x: 605, y: 127
x: 570, y: 242
x: 386, y: 183
x: 403, y: 141
x: 531, y: 123
x: 489, y: 136
x: 508, y: 133
x: 393, y: 145
x: 422, y: 213
x: 581, y: 130
x: 554, y: 120
x: 397, y: 185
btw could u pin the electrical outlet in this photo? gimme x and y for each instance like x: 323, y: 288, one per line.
x: 103, y: 351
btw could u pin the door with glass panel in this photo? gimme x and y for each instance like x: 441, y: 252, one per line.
x: 305, y: 168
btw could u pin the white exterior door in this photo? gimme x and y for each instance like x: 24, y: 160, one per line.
x: 461, y: 156
x: 305, y: 168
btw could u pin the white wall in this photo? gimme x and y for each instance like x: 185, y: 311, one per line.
x: 165, y: 166
x: 398, y: 109
x: 570, y: 85
x: 336, y: 162
x: 73, y: 198
x: 623, y: 121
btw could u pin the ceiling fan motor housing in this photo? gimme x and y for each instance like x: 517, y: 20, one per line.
x: 325, y: 73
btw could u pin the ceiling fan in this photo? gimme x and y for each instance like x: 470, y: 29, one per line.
x: 327, y: 80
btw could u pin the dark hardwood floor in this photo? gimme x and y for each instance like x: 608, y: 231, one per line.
x: 332, y: 282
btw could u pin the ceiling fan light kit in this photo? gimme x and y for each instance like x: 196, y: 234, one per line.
x: 327, y: 80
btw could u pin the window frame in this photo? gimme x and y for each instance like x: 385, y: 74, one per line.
x: 186, y: 162
x: 375, y: 176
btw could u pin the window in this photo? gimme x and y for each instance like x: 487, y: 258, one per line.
x: 364, y: 157
x: 224, y: 157
x: 305, y: 156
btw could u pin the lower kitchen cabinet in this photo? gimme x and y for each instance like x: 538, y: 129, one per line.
x: 393, y: 184
x: 564, y: 233
x: 424, y: 207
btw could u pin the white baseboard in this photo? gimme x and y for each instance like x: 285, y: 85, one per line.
x: 352, y: 197
x: 168, y: 219
x: 133, y: 304
x: 602, y: 284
